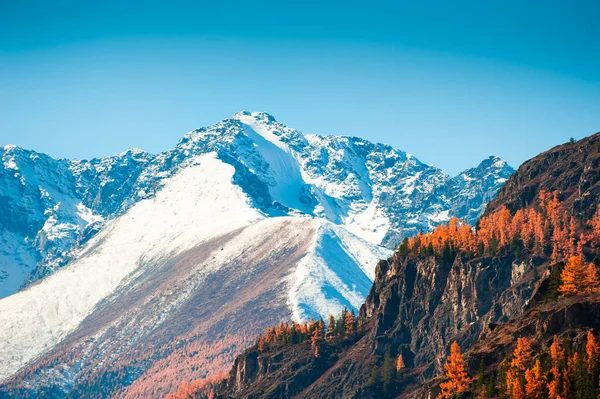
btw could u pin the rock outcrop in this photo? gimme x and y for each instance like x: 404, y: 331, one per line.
x: 419, y: 304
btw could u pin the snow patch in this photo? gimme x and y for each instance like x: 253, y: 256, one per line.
x: 287, y: 184
x: 371, y: 224
x: 87, y: 215
x: 337, y: 272
x: 440, y: 217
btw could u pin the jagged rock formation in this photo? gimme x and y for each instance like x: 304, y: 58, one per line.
x: 51, y: 208
x: 418, y: 305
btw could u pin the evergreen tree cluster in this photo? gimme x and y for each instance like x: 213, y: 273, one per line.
x: 315, y: 332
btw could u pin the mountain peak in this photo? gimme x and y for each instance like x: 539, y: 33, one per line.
x: 132, y: 151
x: 258, y: 116
x: 494, y: 162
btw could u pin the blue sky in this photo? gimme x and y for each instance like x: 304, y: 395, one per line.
x: 450, y: 82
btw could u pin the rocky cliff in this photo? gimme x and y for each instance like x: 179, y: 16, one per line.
x: 419, y: 304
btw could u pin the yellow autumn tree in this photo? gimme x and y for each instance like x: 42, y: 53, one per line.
x: 400, y: 366
x: 521, y: 355
x: 592, y: 350
x: 556, y: 354
x: 456, y: 378
x: 350, y: 322
x: 572, y: 276
x: 591, y: 280
x: 535, y: 381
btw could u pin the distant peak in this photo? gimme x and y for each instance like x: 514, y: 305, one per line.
x: 133, y: 151
x: 490, y: 165
x: 9, y: 147
x: 259, y: 116
x: 493, y: 161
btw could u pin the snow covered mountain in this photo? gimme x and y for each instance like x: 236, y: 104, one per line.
x: 148, y: 260
x: 42, y: 215
x: 381, y: 194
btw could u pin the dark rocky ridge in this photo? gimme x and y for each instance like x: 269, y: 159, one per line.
x: 419, y: 305
x: 572, y: 169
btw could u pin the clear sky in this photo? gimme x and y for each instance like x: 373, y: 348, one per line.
x: 448, y: 81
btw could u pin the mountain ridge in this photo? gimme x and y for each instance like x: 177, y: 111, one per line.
x: 484, y: 298
x: 241, y: 218
x: 283, y: 170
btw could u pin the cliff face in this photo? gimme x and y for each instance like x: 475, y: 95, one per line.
x: 419, y: 304
x: 570, y: 317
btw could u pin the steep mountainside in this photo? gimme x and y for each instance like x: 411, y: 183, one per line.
x: 482, y: 290
x: 42, y: 215
x: 379, y: 193
x: 194, y: 270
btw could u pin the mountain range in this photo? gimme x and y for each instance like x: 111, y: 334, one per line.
x: 129, y: 267
x: 51, y: 208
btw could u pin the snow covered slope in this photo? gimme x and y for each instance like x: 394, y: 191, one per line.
x: 196, y: 205
x: 163, y: 254
x: 142, y: 261
x: 379, y: 193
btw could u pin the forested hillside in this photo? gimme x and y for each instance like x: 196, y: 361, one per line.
x: 507, y: 309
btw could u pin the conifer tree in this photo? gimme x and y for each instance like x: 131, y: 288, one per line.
x: 350, y: 322
x: 592, y: 350
x: 521, y: 355
x: 591, y: 280
x: 456, y: 378
x: 535, y: 381
x: 375, y: 379
x: 331, y: 327
x: 514, y: 388
x: 595, y: 225
x: 389, y: 373
x: 572, y: 276
x: 556, y: 355
x: 400, y: 366
x: 317, y: 338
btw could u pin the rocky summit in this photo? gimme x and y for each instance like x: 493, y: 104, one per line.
x: 51, y: 208
x: 137, y: 271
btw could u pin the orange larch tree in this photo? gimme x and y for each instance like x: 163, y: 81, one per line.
x: 350, y: 322
x: 456, y: 379
x: 330, y: 327
x: 535, y: 381
x: 572, y: 276
x: 317, y: 338
x: 556, y: 354
x: 591, y: 280
x: 514, y: 388
x: 521, y: 355
x: 592, y: 350
x: 400, y: 366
